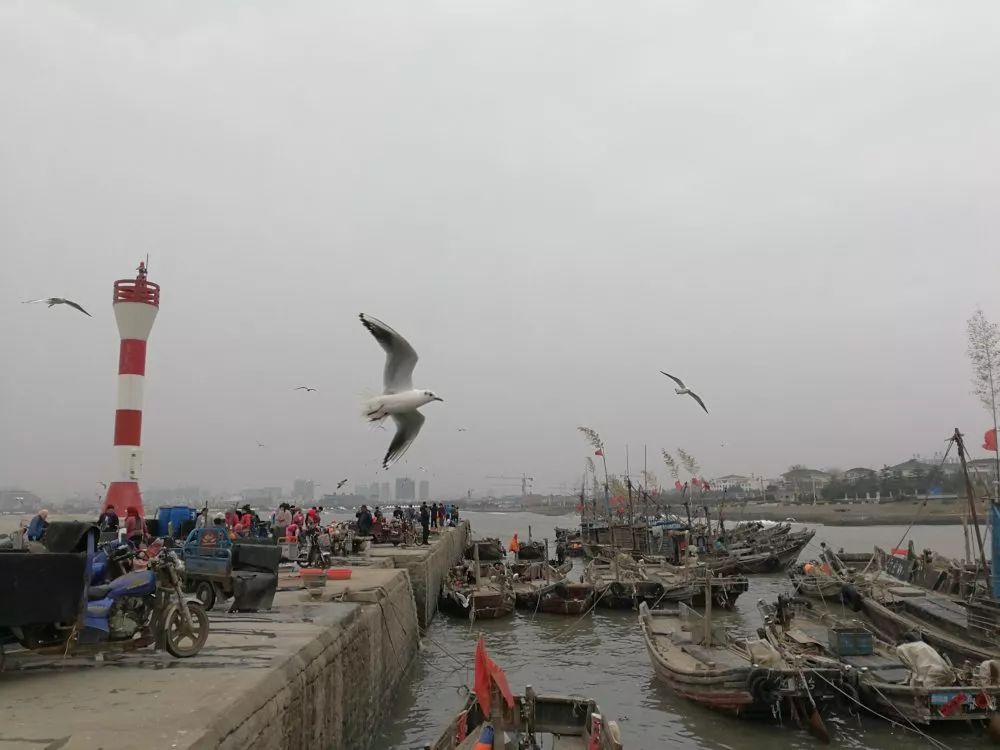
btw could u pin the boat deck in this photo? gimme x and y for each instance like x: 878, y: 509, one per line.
x: 670, y: 636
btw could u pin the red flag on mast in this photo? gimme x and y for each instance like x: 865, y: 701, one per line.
x: 599, y: 452
x: 678, y: 486
x: 486, y: 674
x: 990, y: 440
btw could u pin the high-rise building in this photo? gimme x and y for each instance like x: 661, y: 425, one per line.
x: 405, y: 490
x: 425, y: 490
x: 304, y: 490
x: 384, y: 493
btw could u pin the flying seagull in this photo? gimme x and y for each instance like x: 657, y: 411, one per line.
x: 103, y: 484
x: 341, y: 483
x: 305, y: 388
x: 58, y: 301
x: 261, y: 445
x: 463, y: 429
x: 399, y: 399
x: 683, y: 390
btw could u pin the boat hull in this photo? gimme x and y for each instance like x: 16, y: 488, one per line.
x: 489, y: 606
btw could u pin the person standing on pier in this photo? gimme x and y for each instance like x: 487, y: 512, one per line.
x: 434, y: 515
x: 281, y: 520
x: 425, y: 521
x: 441, y: 515
x: 364, y: 517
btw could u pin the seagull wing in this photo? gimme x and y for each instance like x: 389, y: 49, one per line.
x: 300, y: 388
x: 35, y: 301
x: 73, y: 304
x: 408, y: 424
x: 679, y: 382
x: 400, y: 358
x: 697, y: 398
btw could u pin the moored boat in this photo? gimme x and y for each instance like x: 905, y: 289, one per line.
x: 530, y: 550
x: 484, y: 594
x: 493, y: 716
x: 489, y: 548
x: 747, y: 678
x: 910, y: 681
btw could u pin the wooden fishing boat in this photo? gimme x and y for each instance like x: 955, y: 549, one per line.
x: 909, y: 681
x: 485, y: 593
x: 542, y: 587
x: 724, y: 594
x: 567, y: 598
x: 742, y: 677
x: 530, y: 550
x: 618, y: 585
x: 489, y: 548
x: 566, y: 723
x: 816, y: 584
x: 898, y: 610
x: 775, y: 558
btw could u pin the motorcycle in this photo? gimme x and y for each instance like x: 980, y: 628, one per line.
x: 134, y: 610
x: 311, y: 553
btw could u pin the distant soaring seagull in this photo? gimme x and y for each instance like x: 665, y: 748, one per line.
x: 261, y: 445
x: 463, y: 429
x: 58, y: 301
x: 399, y: 399
x: 683, y: 390
x: 341, y: 483
x: 305, y: 388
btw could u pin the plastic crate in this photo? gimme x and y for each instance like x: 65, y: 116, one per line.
x: 851, y: 641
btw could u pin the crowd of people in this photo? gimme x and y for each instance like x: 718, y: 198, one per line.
x: 435, y: 515
x: 287, y: 522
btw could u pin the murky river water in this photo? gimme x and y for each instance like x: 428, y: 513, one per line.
x: 602, y: 656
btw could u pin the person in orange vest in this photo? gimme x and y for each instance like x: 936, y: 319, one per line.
x: 513, y: 546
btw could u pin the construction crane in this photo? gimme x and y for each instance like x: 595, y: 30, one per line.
x: 525, y: 482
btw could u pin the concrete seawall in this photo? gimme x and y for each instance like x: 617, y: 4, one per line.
x: 333, y: 690
x: 308, y: 674
x: 428, y: 570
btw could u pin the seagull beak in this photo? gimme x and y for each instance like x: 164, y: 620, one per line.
x: 438, y: 398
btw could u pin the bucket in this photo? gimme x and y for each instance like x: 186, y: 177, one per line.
x: 338, y: 574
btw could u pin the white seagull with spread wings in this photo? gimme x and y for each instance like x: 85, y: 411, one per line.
x: 50, y: 301
x: 683, y: 390
x: 399, y: 399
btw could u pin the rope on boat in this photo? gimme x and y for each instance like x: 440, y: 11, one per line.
x: 577, y: 622
x: 872, y: 711
x: 882, y: 696
x: 423, y: 635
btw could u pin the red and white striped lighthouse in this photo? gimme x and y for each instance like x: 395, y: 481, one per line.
x: 136, y: 303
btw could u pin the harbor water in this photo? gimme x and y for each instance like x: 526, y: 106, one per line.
x: 602, y: 656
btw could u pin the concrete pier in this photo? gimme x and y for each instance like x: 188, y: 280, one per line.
x: 427, y: 571
x: 308, y: 674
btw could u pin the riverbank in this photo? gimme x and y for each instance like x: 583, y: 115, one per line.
x: 930, y: 512
x: 312, y: 672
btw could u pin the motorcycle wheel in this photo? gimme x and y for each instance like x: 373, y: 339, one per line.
x: 205, y: 591
x: 178, y: 641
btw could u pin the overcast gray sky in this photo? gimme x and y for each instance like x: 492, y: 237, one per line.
x: 792, y: 205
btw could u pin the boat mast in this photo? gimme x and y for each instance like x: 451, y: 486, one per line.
x: 971, y: 493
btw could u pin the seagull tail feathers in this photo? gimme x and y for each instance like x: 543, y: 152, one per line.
x: 370, y: 404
